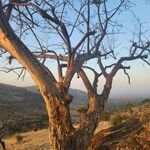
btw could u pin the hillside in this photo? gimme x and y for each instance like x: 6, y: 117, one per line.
x: 132, y: 134
x: 24, y: 108
x: 80, y: 97
x: 21, y: 107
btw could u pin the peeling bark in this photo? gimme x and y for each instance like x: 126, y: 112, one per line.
x: 60, y: 126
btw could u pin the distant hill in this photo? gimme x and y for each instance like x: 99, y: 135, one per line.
x: 25, y: 106
x: 19, y: 99
x: 13, y: 94
x: 22, y: 107
x: 32, y: 89
x: 80, y: 97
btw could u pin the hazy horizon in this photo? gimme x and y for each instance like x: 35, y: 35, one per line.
x: 139, y: 87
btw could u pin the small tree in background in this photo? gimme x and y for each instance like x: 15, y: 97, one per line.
x: 51, y: 27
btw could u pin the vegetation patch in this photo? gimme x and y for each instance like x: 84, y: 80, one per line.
x: 146, y: 100
x: 115, y: 119
x: 82, y: 109
x: 19, y: 138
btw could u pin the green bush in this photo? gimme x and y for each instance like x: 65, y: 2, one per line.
x: 129, y: 107
x: 82, y: 109
x: 115, y: 119
x: 19, y: 138
x: 147, y: 100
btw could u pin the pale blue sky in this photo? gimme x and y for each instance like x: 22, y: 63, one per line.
x: 140, y: 72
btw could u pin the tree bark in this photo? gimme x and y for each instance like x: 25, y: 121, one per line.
x: 62, y: 135
x: 89, y: 122
x: 60, y: 126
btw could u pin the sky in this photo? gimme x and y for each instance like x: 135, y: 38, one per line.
x: 139, y: 72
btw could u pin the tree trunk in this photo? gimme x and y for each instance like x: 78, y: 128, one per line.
x: 60, y: 126
x: 62, y: 135
x: 90, y: 121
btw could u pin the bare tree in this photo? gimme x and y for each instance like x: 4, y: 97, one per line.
x: 54, y: 25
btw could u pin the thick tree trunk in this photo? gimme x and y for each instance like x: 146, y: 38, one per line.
x: 63, y: 136
x: 60, y: 126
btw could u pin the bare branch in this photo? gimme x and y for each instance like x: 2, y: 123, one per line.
x: 123, y: 59
x: 8, y: 70
x: 145, y: 61
x: 102, y: 67
x: 49, y: 56
x: 83, y: 39
x: 86, y: 81
x: 9, y: 11
x: 96, y: 76
x: 125, y: 72
x: 60, y: 75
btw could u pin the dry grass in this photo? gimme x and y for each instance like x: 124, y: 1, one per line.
x: 37, y: 140
x: 31, y: 141
x: 142, y: 112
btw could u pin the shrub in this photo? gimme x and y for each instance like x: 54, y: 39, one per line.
x: 129, y: 105
x: 19, y: 138
x: 146, y: 118
x: 131, y: 111
x: 147, y: 100
x: 82, y: 109
x: 115, y: 119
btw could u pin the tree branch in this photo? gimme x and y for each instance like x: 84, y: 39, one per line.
x: 86, y: 82
x: 102, y: 67
x: 123, y: 59
x: 8, y: 11
x: 83, y: 39
x: 45, y: 55
x: 60, y: 75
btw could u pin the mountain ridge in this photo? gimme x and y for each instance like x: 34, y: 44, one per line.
x: 25, y: 108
